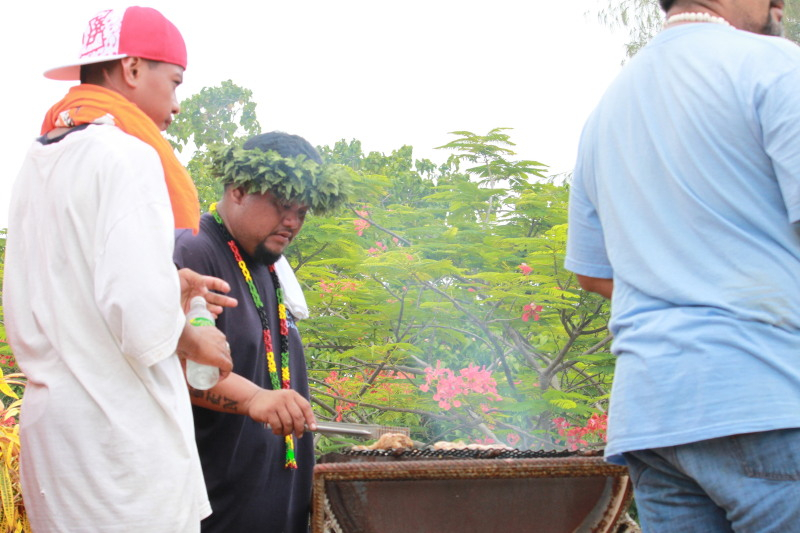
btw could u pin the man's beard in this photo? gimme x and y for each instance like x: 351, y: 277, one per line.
x: 772, y: 27
x: 264, y: 256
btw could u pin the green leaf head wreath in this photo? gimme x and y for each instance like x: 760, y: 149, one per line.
x: 293, y: 179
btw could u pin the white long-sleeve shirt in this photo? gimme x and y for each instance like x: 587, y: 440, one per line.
x: 91, y: 300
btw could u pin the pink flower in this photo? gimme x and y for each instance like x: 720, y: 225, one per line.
x: 575, y: 436
x: 525, y: 269
x: 597, y: 423
x: 512, y: 439
x: 452, y: 389
x: 360, y: 226
x: 531, y: 311
x: 471, y: 289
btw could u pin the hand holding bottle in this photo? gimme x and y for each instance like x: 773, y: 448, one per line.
x: 205, y: 349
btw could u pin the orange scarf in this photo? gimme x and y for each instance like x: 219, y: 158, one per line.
x: 92, y: 104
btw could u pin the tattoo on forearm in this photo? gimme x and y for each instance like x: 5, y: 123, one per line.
x: 228, y: 404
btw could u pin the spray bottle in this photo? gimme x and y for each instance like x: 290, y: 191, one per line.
x: 199, y: 376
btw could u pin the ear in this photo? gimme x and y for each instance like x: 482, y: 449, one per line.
x: 237, y: 194
x: 131, y: 68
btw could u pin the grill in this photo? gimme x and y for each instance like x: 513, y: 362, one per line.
x: 465, y: 491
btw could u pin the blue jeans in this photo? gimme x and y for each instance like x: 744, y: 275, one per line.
x: 742, y: 483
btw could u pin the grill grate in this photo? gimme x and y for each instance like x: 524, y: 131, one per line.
x: 428, y: 453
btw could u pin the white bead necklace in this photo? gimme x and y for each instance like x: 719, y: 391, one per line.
x: 696, y: 17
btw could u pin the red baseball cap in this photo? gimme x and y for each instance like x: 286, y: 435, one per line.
x: 132, y: 32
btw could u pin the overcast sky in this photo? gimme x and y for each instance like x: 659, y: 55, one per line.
x: 385, y: 72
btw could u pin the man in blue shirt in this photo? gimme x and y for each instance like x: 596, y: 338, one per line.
x: 683, y: 210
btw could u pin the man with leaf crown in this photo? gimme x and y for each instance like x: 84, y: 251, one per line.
x: 249, y: 428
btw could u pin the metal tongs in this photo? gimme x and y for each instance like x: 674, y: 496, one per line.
x: 371, y: 431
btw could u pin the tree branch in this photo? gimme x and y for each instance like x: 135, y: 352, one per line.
x: 378, y: 226
x: 479, y: 324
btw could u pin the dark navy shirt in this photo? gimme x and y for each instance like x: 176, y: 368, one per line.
x: 243, y: 463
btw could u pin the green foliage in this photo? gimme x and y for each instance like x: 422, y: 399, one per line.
x: 7, y: 362
x: 214, y: 116
x: 13, y: 518
x: 642, y: 19
x: 791, y: 20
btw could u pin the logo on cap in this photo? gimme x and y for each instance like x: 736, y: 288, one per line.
x: 102, y: 36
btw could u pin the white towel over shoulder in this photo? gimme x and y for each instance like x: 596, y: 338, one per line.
x: 292, y: 292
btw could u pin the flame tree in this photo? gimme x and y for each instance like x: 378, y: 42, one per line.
x: 440, y: 301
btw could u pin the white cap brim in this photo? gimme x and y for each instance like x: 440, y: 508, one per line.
x: 72, y: 71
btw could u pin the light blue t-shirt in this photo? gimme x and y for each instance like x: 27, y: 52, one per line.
x: 686, y: 191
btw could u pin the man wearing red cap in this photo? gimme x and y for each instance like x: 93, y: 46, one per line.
x: 93, y: 300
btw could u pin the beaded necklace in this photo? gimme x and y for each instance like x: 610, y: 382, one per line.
x: 696, y: 17
x: 283, y: 379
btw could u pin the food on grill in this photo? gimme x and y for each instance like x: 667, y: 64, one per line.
x: 445, y: 445
x: 388, y: 441
x: 394, y: 441
x: 399, y: 444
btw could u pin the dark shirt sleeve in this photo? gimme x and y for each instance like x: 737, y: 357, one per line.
x: 193, y: 252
